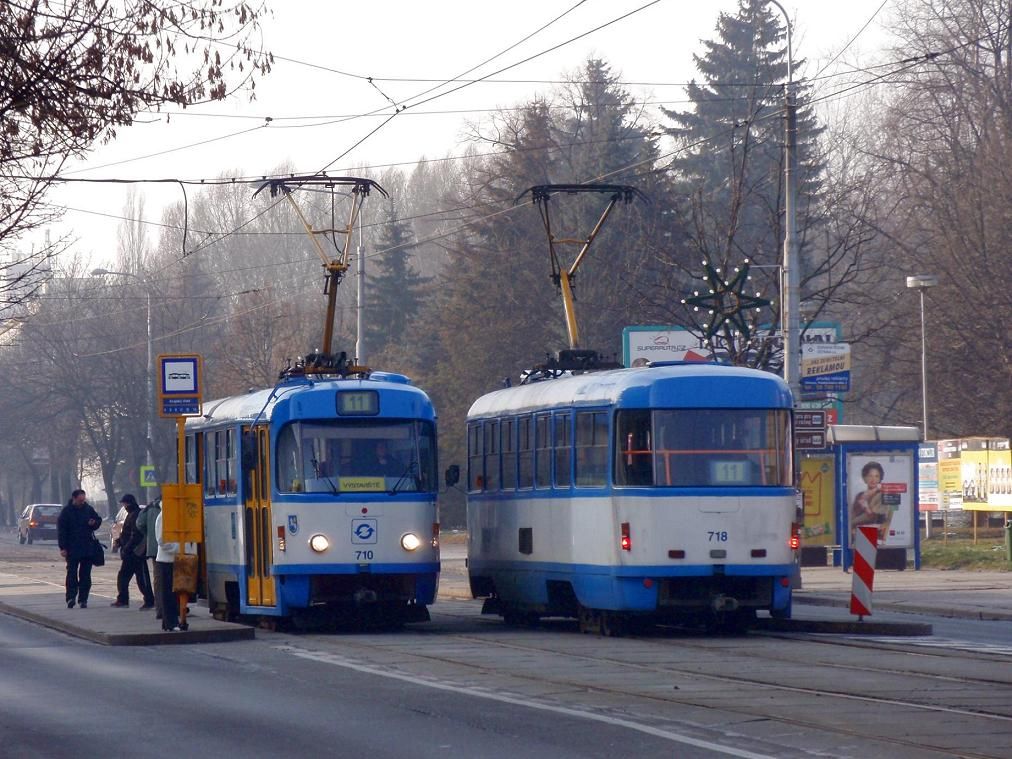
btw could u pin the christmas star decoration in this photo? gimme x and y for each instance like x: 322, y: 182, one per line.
x: 726, y: 302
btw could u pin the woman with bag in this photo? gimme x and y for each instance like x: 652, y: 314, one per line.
x: 75, y: 530
x: 131, y: 545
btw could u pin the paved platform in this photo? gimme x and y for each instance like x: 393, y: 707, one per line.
x: 43, y: 603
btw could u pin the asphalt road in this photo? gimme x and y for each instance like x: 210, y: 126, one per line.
x: 468, y: 685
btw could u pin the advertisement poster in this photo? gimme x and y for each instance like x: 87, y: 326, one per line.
x: 950, y: 475
x: 973, y: 473
x: 642, y: 345
x: 999, y: 463
x: 817, y: 487
x: 929, y: 496
x: 880, y: 490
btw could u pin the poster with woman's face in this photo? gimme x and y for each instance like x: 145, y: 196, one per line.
x: 880, y: 493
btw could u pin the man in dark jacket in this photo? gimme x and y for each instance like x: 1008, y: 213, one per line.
x: 74, y: 529
x: 132, y: 549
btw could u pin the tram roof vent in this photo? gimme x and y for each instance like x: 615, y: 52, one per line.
x: 400, y: 379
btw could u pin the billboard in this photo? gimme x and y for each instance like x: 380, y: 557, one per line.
x: 818, y: 478
x: 929, y: 495
x: 641, y: 345
x: 880, y: 489
x: 949, y: 475
x: 999, y: 465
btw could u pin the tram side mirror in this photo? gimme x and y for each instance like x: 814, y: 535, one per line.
x: 249, y: 452
x: 452, y: 476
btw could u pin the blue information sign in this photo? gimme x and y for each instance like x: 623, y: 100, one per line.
x: 181, y: 406
x: 837, y: 382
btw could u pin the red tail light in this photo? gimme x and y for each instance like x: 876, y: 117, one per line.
x: 795, y: 536
x: 626, y: 541
x: 33, y: 523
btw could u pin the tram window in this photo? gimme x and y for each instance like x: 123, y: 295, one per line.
x: 591, y: 448
x: 289, y: 474
x: 209, y: 478
x: 721, y: 448
x: 222, y: 443
x: 633, y: 453
x: 509, y: 453
x: 525, y: 445
x: 563, y: 451
x: 230, y: 462
x: 190, y: 458
x: 475, y: 469
x: 542, y: 451
x: 492, y: 455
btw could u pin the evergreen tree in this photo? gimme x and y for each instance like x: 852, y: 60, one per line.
x: 394, y: 290
x: 730, y: 162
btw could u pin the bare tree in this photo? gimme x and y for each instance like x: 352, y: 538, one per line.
x: 73, y: 72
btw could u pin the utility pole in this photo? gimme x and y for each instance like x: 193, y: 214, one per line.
x: 790, y: 277
x: 360, y: 302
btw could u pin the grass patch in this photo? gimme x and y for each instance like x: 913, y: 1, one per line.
x: 961, y: 553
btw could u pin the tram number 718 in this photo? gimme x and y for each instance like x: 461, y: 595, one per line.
x: 717, y: 536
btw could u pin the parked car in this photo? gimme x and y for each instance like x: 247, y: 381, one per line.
x: 38, y: 522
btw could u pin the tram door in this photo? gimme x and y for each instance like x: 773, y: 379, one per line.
x: 257, y: 522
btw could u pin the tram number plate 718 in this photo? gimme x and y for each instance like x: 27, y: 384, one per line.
x: 717, y: 536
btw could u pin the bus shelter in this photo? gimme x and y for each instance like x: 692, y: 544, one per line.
x: 876, y: 485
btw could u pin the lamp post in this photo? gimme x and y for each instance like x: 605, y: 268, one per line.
x: 790, y: 296
x: 922, y: 282
x: 150, y: 371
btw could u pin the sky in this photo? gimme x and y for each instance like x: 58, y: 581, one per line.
x: 325, y: 51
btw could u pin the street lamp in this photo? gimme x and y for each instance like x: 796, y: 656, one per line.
x: 922, y: 282
x: 150, y: 372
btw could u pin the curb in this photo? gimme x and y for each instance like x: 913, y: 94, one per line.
x: 950, y: 613
x: 910, y: 629
x: 220, y: 635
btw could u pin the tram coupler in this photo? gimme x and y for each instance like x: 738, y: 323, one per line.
x: 365, y: 597
x: 724, y: 603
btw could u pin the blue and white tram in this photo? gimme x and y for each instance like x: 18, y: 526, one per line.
x: 319, y: 500
x: 662, y: 493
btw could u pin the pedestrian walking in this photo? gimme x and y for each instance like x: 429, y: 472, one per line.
x: 163, y: 560
x: 146, y: 526
x: 75, y: 528
x: 132, y: 547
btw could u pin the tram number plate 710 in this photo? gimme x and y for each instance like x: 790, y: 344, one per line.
x: 364, y: 555
x: 717, y: 536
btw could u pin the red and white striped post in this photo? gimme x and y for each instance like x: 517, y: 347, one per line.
x: 865, y: 548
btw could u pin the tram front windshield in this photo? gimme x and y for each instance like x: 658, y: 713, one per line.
x: 341, y: 456
x: 703, y: 448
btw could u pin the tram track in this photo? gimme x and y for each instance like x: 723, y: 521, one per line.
x: 762, y: 708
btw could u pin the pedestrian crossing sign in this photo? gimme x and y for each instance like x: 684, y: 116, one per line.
x: 148, y: 479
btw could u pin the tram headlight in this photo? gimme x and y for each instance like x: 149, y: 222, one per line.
x: 410, y: 541
x: 319, y: 543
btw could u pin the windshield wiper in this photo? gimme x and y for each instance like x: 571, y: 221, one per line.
x: 410, y: 470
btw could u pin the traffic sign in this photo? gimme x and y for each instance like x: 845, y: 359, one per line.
x: 148, y: 479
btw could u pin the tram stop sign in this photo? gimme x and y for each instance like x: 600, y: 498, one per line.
x: 179, y: 385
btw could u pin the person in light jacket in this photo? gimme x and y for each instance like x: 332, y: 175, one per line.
x: 164, y: 558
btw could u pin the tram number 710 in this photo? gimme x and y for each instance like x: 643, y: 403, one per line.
x: 364, y: 555
x: 717, y: 536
